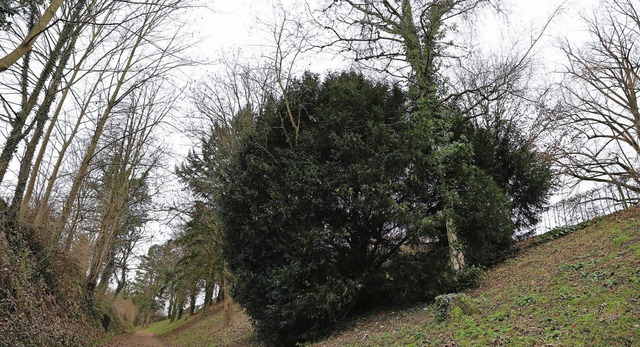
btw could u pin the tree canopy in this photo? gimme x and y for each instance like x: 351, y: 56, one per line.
x: 319, y: 227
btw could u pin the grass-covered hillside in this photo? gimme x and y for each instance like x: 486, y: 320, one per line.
x: 582, y: 289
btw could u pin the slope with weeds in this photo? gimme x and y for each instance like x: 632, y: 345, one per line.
x: 210, y: 330
x: 42, y: 302
x: 582, y: 289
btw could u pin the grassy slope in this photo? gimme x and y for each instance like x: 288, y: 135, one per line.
x: 208, y: 330
x: 580, y: 290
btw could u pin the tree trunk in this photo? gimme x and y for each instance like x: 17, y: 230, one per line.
x: 65, y: 48
x: 84, y: 166
x: 104, y: 248
x: 228, y: 303
x: 42, y: 116
x: 101, y: 290
x: 16, y: 134
x: 456, y: 254
x: 180, y: 309
x: 172, y: 307
x: 192, y: 300
x: 122, y: 282
x: 71, y: 232
x: 31, y: 37
x: 44, y: 203
x: 5, y: 269
x: 52, y: 124
x: 208, y: 295
x: 221, y: 293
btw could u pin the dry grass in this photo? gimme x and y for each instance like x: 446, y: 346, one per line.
x: 125, y: 309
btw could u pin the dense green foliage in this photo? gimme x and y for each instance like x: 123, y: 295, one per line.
x: 153, y: 276
x: 308, y: 222
x: 352, y: 211
x: 587, y: 284
x: 507, y: 173
x: 203, y: 172
x: 501, y: 151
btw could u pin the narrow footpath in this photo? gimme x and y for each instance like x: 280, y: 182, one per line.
x: 136, y: 339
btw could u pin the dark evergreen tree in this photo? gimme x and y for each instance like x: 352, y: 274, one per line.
x: 308, y: 223
x: 203, y: 173
x: 352, y: 209
x: 501, y: 151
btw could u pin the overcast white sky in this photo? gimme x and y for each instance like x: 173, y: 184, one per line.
x: 234, y: 24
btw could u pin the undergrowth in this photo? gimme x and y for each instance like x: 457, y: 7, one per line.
x: 42, y: 302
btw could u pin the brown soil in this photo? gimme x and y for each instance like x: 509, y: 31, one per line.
x: 136, y: 339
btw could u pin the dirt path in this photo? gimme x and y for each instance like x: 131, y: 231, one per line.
x: 136, y: 339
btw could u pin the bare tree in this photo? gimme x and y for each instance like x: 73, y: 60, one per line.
x: 78, y: 71
x: 85, y: 86
x: 130, y: 156
x: 290, y: 40
x: 149, y: 55
x: 408, y: 39
x: 93, y: 83
x: 65, y: 46
x: 30, y: 85
x: 600, y: 106
x: 17, y: 119
x: 238, y: 86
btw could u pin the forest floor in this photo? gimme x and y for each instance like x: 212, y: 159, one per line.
x: 136, y: 339
x: 581, y: 289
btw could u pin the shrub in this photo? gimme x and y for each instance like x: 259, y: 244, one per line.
x: 345, y: 207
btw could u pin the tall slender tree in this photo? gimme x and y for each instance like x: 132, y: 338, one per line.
x: 34, y: 32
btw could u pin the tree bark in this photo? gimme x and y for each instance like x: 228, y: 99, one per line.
x: 52, y: 124
x: 69, y: 33
x: 16, y: 134
x: 84, y: 166
x: 455, y: 251
x: 44, y: 203
x: 5, y: 266
x: 31, y: 37
x: 71, y: 232
x: 180, y: 309
x: 192, y: 300
x: 208, y: 295
x: 101, y: 289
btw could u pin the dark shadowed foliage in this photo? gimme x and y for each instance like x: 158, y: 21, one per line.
x: 348, y: 213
